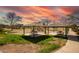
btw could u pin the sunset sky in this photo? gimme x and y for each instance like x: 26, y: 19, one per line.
x: 31, y: 14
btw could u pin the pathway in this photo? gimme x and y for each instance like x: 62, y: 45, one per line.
x: 71, y: 45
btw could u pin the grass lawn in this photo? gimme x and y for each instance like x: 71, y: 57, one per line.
x: 46, y: 42
x: 12, y: 38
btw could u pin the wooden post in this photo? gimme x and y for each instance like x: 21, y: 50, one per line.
x: 48, y: 30
x: 23, y: 30
x: 66, y: 31
x: 33, y: 31
x: 45, y: 30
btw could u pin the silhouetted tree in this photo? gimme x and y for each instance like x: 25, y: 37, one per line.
x: 12, y: 18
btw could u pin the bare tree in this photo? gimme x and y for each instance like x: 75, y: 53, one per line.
x: 12, y: 18
x: 74, y: 26
x: 46, y: 23
x: 72, y: 19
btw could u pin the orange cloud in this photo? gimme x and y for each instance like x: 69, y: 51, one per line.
x: 42, y: 11
x: 35, y: 13
x: 65, y: 10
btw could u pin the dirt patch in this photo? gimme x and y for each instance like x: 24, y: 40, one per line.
x: 19, y: 48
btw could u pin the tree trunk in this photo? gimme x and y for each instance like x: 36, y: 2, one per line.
x: 11, y: 24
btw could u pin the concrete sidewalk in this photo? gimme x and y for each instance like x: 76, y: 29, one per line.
x: 70, y: 47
